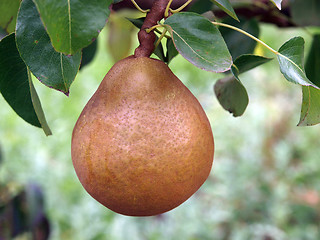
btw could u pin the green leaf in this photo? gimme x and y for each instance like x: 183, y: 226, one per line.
x: 232, y: 95
x: 8, y: 14
x: 37, y: 106
x: 313, y: 61
x: 120, y: 32
x: 88, y: 53
x: 290, y: 58
x: 53, y: 69
x: 1, y: 155
x: 201, y: 6
x: 199, y: 41
x: 247, y: 62
x: 171, y: 51
x: 234, y: 39
x: 305, y: 12
x: 72, y: 25
x: 277, y: 3
x: 310, y: 108
x: 15, y: 83
x: 137, y: 22
x: 226, y: 6
x: 3, y: 33
x: 158, y: 51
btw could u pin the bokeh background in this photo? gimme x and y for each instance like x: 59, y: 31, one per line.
x: 264, y: 184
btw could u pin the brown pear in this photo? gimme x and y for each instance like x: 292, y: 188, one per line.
x: 143, y: 144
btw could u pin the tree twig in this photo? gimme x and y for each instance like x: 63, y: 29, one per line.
x: 147, y: 40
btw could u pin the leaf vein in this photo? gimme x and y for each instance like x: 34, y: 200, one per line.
x: 62, y: 71
x: 69, y: 13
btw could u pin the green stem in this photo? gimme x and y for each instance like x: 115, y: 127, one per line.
x: 166, y: 13
x: 181, y: 8
x: 160, y: 38
x: 159, y: 32
x: 139, y: 8
x: 247, y: 34
x: 148, y: 30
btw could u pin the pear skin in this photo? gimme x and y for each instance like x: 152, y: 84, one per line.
x: 143, y: 144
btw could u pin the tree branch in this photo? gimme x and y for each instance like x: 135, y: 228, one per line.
x: 147, y: 40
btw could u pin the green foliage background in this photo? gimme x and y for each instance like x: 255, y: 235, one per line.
x: 264, y: 183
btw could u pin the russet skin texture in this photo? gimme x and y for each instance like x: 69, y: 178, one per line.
x: 143, y: 144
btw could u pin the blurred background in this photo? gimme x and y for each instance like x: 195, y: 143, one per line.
x: 264, y: 184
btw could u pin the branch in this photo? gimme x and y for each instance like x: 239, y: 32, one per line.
x: 147, y: 40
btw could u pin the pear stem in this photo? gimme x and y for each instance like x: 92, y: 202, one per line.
x: 138, y: 7
x: 247, y: 34
x: 180, y: 8
x: 146, y: 40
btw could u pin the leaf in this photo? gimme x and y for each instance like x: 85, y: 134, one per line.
x: 37, y: 106
x: 226, y: 6
x: 277, y: 3
x: 53, y: 69
x: 88, y: 53
x: 310, y: 108
x: 137, y: 22
x: 8, y: 14
x: 199, y: 41
x: 201, y: 6
x: 247, y: 62
x: 232, y: 95
x: 14, y: 83
x: 1, y: 155
x: 305, y: 12
x: 313, y: 61
x: 158, y: 51
x: 290, y: 58
x: 171, y: 51
x: 72, y: 25
x: 3, y: 33
x: 234, y: 39
x: 120, y: 36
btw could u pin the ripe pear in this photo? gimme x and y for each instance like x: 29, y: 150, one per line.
x: 143, y: 144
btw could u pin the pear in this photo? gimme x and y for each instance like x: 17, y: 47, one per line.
x: 143, y: 144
